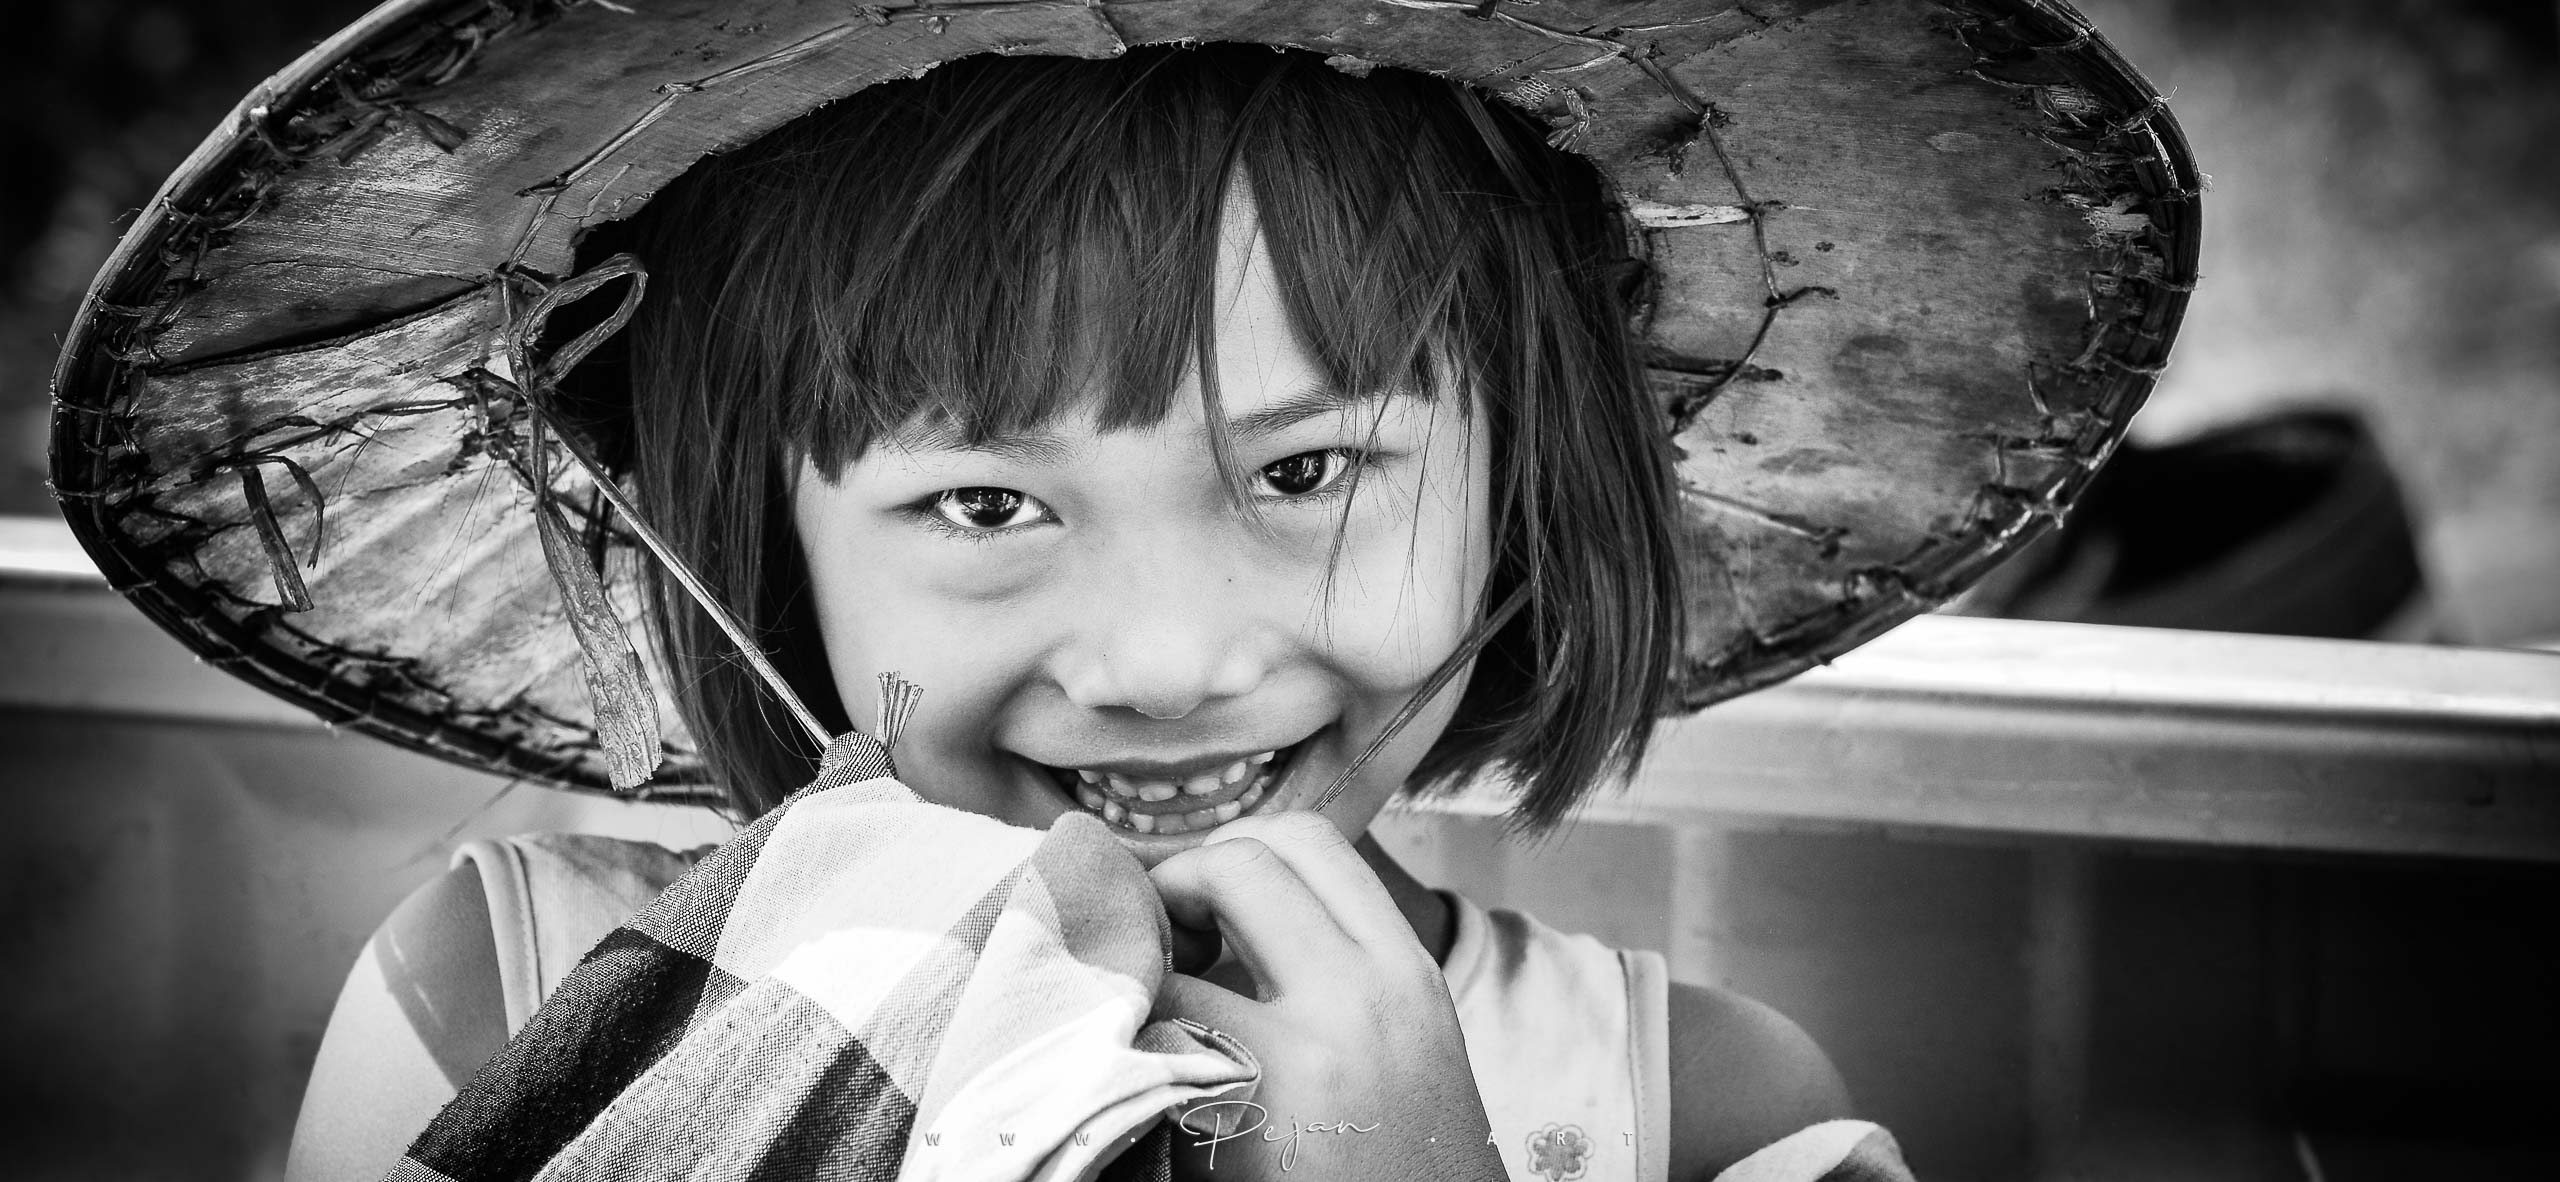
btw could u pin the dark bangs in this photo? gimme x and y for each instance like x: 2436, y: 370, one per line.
x: 1047, y: 237
x: 1008, y: 239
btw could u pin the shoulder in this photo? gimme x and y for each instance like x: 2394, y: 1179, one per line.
x: 427, y: 1002
x: 1742, y: 1076
x: 421, y: 1010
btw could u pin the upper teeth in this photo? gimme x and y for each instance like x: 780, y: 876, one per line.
x: 1132, y: 788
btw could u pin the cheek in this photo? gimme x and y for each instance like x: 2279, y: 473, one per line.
x: 968, y: 674
x: 880, y: 611
x: 1409, y: 582
x: 876, y: 624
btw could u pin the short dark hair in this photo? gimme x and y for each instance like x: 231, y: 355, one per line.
x: 830, y: 282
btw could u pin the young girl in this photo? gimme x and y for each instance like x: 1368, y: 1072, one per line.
x: 1228, y: 440
x: 1183, y: 596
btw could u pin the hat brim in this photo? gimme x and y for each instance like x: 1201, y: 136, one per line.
x: 1914, y: 266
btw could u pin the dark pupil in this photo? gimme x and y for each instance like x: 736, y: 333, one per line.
x: 988, y: 507
x: 1297, y: 474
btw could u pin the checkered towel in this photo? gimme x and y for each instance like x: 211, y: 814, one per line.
x: 1833, y: 1151
x: 861, y: 985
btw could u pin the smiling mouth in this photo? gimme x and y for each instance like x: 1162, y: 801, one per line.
x: 1165, y: 807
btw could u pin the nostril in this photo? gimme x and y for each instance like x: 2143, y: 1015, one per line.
x: 1161, y: 676
x: 1166, y: 700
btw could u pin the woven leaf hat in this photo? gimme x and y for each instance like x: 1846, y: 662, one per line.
x: 1914, y: 265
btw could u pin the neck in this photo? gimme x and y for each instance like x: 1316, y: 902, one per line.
x: 1426, y: 911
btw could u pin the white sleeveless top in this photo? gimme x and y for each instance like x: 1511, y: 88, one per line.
x: 1569, y: 1038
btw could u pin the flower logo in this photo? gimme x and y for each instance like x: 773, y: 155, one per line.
x: 1559, y: 1153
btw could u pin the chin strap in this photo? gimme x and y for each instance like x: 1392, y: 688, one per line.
x: 1440, y: 679
x: 692, y: 583
x: 626, y: 710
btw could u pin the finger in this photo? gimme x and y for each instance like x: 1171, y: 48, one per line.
x: 1334, y: 872
x: 1248, y: 1023
x: 1278, y: 927
x: 1181, y: 995
x: 1240, y: 1018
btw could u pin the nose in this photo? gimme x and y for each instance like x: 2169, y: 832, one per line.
x: 1162, y: 632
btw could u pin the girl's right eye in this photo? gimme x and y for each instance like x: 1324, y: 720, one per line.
x: 983, y: 510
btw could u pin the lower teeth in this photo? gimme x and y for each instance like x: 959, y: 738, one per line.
x: 1168, y: 823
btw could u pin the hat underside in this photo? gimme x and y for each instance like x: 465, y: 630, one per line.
x: 1915, y: 264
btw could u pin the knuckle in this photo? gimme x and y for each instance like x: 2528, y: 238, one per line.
x: 1407, y: 970
x: 1423, y: 976
x: 1242, y: 860
x: 1306, y: 821
x: 1303, y: 826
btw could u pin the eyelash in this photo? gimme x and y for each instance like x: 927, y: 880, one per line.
x: 1357, y: 461
x: 929, y: 514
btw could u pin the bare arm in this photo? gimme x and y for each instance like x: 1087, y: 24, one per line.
x: 420, y: 1012
x: 1742, y: 1076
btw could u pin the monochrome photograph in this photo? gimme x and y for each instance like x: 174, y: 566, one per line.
x: 1132, y: 590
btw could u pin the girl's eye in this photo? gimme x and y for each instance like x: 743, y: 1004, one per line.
x: 1308, y: 472
x: 985, y: 510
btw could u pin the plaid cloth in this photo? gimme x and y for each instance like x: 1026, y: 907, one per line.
x: 861, y: 985
x: 1833, y: 1151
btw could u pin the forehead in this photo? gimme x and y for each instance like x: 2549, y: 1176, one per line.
x: 1268, y: 377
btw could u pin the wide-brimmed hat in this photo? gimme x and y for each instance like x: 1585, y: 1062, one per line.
x: 1914, y: 265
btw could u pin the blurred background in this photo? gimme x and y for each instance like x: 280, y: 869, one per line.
x: 2359, y: 439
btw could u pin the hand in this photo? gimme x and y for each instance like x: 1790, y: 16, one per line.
x: 1361, y: 1055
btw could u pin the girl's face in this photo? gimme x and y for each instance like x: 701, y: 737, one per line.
x: 1095, y: 624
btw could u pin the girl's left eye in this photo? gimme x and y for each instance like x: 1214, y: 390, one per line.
x: 982, y: 509
x: 1308, y: 473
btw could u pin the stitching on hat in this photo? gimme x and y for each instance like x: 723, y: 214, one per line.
x: 2119, y: 169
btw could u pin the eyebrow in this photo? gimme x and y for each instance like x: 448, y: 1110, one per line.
x: 1030, y: 447
x: 1039, y: 447
x: 1309, y: 402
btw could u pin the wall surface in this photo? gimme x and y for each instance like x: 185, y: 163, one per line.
x: 178, y: 905
x: 2382, y: 232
